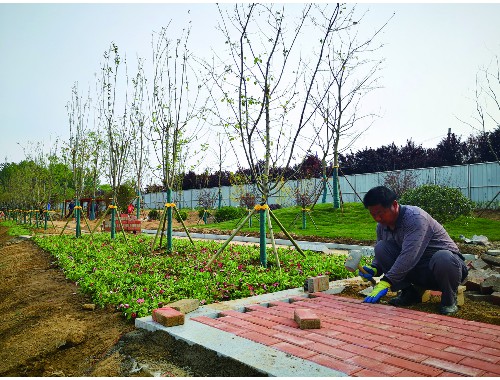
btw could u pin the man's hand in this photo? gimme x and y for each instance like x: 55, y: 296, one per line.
x: 378, y: 292
x: 370, y: 273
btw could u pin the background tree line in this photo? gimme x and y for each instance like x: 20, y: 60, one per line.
x: 31, y: 178
x: 451, y: 150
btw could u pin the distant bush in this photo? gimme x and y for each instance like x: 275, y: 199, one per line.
x: 154, y: 214
x: 229, y: 212
x: 443, y: 203
x: 183, y: 214
x: 274, y: 206
x: 202, y: 211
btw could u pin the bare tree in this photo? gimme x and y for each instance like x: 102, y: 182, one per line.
x: 175, y: 122
x: 487, y: 103
x: 221, y: 154
x: 117, y: 128
x: 97, y: 163
x: 350, y: 74
x: 78, y: 109
x: 138, y: 120
x: 266, y: 83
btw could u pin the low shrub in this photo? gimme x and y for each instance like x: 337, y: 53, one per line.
x: 229, y: 212
x: 154, y: 214
x: 443, y: 203
x: 183, y: 214
x: 202, y: 211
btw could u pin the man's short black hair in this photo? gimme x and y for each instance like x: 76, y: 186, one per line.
x: 379, y: 195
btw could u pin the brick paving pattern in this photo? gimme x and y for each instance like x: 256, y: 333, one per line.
x: 370, y: 340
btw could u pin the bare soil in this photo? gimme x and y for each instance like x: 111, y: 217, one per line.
x: 46, y: 331
x: 44, y: 328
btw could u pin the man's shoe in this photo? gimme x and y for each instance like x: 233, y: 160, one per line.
x: 448, y: 310
x: 407, y: 297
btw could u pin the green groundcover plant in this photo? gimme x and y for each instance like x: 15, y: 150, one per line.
x: 129, y: 277
x: 16, y: 229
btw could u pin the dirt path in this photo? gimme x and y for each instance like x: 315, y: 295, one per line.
x: 44, y: 329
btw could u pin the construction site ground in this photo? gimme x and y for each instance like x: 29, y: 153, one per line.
x: 46, y: 331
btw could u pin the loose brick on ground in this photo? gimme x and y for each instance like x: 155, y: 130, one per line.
x: 307, y: 319
x: 168, y: 316
x: 185, y: 306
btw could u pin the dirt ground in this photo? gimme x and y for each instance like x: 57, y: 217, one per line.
x: 45, y: 330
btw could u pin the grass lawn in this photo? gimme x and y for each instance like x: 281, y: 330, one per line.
x: 352, y: 222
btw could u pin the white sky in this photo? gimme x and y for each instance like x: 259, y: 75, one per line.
x: 432, y: 52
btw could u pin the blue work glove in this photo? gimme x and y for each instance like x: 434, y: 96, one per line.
x: 378, y: 292
x: 370, y: 273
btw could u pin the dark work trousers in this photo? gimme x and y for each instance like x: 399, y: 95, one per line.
x: 443, y: 271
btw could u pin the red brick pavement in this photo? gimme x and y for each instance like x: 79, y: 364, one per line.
x: 370, y: 340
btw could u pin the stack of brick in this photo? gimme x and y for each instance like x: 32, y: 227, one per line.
x: 317, y: 284
x: 173, y: 313
x: 130, y: 224
x: 483, y: 281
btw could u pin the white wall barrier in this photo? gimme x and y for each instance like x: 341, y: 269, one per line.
x: 478, y: 182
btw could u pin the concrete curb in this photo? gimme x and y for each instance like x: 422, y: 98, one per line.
x: 306, y: 245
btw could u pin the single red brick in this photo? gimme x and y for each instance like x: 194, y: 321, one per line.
x: 249, y: 308
x: 483, y: 365
x: 206, y: 320
x: 232, y: 313
x: 424, y: 370
x: 338, y: 365
x: 436, y: 353
x: 484, y: 342
x: 453, y: 367
x: 375, y: 365
x: 231, y: 328
x: 473, y: 354
x: 307, y: 319
x: 371, y: 353
x: 426, y: 343
x: 325, y: 339
x: 297, y: 299
x: 259, y: 338
x: 357, y: 341
x: 390, y: 342
x: 398, y: 352
x: 292, y: 330
x: 262, y: 322
x: 404, y: 373
x: 457, y: 343
x: 335, y: 352
x: 168, y: 316
x: 491, y: 351
x: 447, y: 374
x: 372, y: 373
x: 299, y: 341
x: 294, y: 350
x: 235, y: 321
x: 279, y: 303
